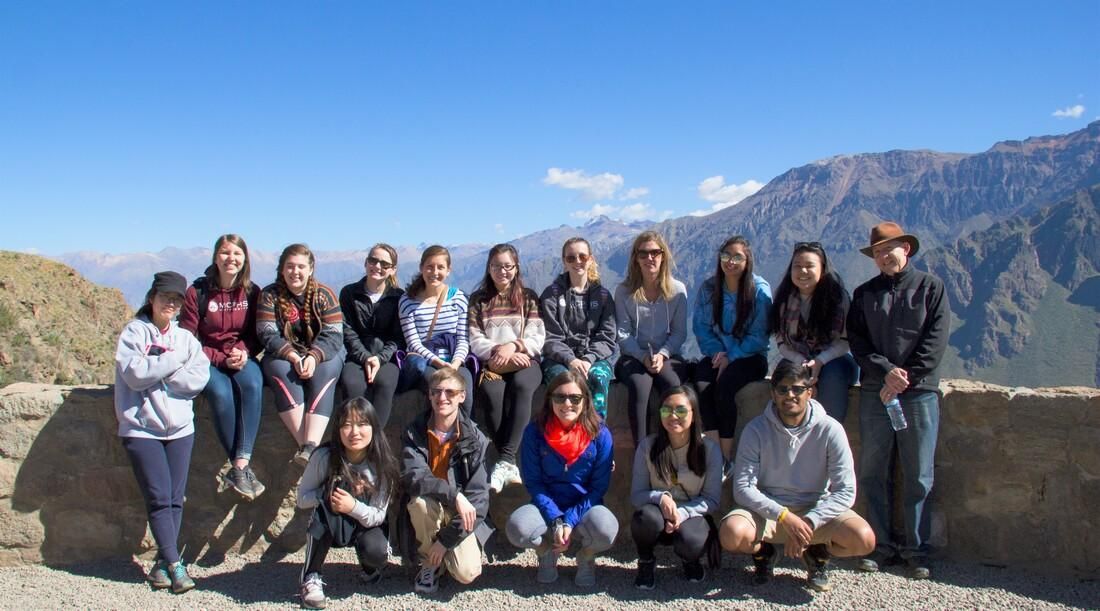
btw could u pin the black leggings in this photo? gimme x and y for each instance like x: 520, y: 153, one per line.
x: 648, y: 529
x: 718, y: 401
x: 370, y: 547
x: 639, y: 383
x: 509, y: 402
x: 380, y: 393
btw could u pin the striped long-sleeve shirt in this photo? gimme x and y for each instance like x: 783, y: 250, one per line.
x: 325, y: 317
x: 416, y: 317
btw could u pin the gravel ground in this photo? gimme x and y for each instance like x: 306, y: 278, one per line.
x: 509, y: 583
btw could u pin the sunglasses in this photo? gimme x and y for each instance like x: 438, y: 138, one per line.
x: 507, y: 267
x: 561, y: 398
x: 680, y: 411
x: 379, y: 262
x: 580, y: 257
x: 656, y: 253
x: 451, y: 393
x: 797, y: 390
x: 812, y: 245
x: 725, y: 257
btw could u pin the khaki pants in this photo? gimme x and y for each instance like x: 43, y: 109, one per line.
x: 769, y: 531
x: 427, y: 516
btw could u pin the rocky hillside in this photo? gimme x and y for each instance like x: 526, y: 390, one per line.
x: 55, y: 326
x: 1026, y: 287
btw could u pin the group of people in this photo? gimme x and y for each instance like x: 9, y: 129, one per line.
x: 793, y: 474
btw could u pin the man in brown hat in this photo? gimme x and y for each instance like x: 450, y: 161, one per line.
x: 898, y: 326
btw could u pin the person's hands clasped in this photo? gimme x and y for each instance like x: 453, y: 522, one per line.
x: 799, y: 534
x: 236, y: 359
x: 670, y: 513
x: 897, y: 380
x: 341, y: 501
x: 719, y: 361
x: 561, y: 538
x: 306, y: 367
x: 371, y: 367
x: 580, y: 366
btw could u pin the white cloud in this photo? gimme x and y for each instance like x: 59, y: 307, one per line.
x: 592, y: 187
x: 721, y: 195
x: 1070, y: 112
x: 635, y: 193
x: 638, y: 211
x: 499, y: 227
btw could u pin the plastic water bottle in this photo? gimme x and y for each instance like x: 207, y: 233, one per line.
x: 897, y: 417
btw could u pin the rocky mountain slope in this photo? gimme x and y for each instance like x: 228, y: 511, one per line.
x: 55, y: 326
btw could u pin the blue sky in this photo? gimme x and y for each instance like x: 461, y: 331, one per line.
x: 131, y: 126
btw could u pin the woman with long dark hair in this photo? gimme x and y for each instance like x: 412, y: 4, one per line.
x: 220, y: 310
x: 567, y: 460
x: 506, y: 335
x: 372, y: 331
x: 676, y: 484
x: 651, y: 315
x: 731, y: 325
x: 808, y: 321
x: 301, y: 327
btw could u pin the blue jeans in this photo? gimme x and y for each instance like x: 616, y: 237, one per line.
x: 916, y: 451
x: 235, y: 399
x: 836, y: 377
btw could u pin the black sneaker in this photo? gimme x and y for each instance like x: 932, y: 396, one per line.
x: 370, y: 577
x: 816, y: 558
x: 764, y: 560
x: 877, y: 561
x: 237, y: 479
x: 257, y: 487
x: 917, y: 568
x: 694, y: 572
x: 647, y: 577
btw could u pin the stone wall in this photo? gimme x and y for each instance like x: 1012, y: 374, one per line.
x: 1017, y: 479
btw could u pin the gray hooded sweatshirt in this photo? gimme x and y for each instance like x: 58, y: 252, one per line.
x: 809, y: 466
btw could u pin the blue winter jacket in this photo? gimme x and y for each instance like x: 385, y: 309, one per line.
x: 560, y: 491
x: 713, y: 340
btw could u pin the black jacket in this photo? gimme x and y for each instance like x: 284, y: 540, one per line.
x: 371, y: 329
x: 466, y: 475
x: 589, y: 335
x: 899, y: 321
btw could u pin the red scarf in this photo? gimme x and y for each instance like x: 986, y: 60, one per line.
x: 569, y: 444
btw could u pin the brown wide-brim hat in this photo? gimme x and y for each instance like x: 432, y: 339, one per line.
x: 885, y: 232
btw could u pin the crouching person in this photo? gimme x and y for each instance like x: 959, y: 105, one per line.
x: 443, y: 474
x: 794, y: 484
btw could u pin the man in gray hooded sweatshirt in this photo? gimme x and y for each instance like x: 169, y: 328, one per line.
x: 794, y: 484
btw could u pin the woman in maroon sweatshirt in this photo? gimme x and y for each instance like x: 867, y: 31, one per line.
x: 220, y: 309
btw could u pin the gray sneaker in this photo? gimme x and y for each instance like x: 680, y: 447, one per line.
x: 548, y: 564
x: 312, y: 592
x: 237, y: 479
x: 586, y: 569
x: 181, y: 581
x: 158, y: 575
x: 302, y: 456
x: 257, y: 487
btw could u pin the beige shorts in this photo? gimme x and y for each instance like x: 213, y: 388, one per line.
x: 769, y: 531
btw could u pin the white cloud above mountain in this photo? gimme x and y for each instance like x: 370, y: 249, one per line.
x: 722, y: 195
x: 592, y: 187
x: 1069, y: 112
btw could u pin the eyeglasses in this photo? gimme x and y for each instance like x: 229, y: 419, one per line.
x: 813, y: 245
x: 797, y: 390
x: 379, y: 262
x: 451, y: 393
x: 725, y: 257
x: 680, y: 411
x: 655, y: 253
x: 560, y: 398
x: 579, y: 257
x: 507, y: 267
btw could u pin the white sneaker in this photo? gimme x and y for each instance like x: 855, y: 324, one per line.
x: 312, y: 592
x: 504, y: 473
x: 427, y: 580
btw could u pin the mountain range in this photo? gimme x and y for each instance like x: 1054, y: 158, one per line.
x: 1012, y: 230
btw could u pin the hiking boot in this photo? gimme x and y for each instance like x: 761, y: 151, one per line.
x: 312, y: 592
x: 158, y: 575
x: 504, y: 474
x: 237, y: 479
x: 694, y: 572
x: 586, y: 569
x: 427, y: 579
x: 371, y: 577
x: 876, y: 561
x: 647, y: 575
x: 764, y: 561
x: 257, y: 487
x: 548, y: 564
x: 816, y: 558
x: 917, y: 568
x: 181, y: 581
x: 301, y: 457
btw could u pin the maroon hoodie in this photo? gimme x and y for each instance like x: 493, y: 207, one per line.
x: 229, y: 321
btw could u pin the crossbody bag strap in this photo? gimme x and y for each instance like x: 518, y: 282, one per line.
x: 438, y: 305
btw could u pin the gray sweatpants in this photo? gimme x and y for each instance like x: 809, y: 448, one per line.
x: 596, y: 530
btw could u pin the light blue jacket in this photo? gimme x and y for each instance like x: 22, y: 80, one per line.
x: 713, y: 340
x: 156, y: 377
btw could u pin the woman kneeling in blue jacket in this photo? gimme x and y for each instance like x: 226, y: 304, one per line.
x: 566, y: 466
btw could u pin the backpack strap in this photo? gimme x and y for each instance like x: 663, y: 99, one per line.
x: 202, y: 295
